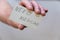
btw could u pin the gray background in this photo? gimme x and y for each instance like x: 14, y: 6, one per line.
x: 49, y: 28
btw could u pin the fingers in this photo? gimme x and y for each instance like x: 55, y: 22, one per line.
x: 38, y: 9
x: 42, y: 10
x: 26, y: 4
x: 46, y: 10
x: 12, y: 23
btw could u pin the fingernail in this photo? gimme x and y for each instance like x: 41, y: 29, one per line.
x: 30, y: 8
x: 21, y: 27
x: 46, y: 11
x: 37, y: 11
x: 43, y: 13
x: 25, y: 26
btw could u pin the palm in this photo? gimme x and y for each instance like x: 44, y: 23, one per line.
x: 5, y: 9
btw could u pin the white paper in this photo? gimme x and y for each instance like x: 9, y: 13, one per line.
x: 23, y: 16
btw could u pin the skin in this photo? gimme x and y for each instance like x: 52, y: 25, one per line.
x: 5, y: 11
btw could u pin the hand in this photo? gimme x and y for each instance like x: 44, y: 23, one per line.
x: 34, y: 6
x: 5, y: 11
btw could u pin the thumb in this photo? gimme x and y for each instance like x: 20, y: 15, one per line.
x: 12, y: 23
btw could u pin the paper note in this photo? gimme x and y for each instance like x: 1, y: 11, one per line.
x: 25, y: 17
